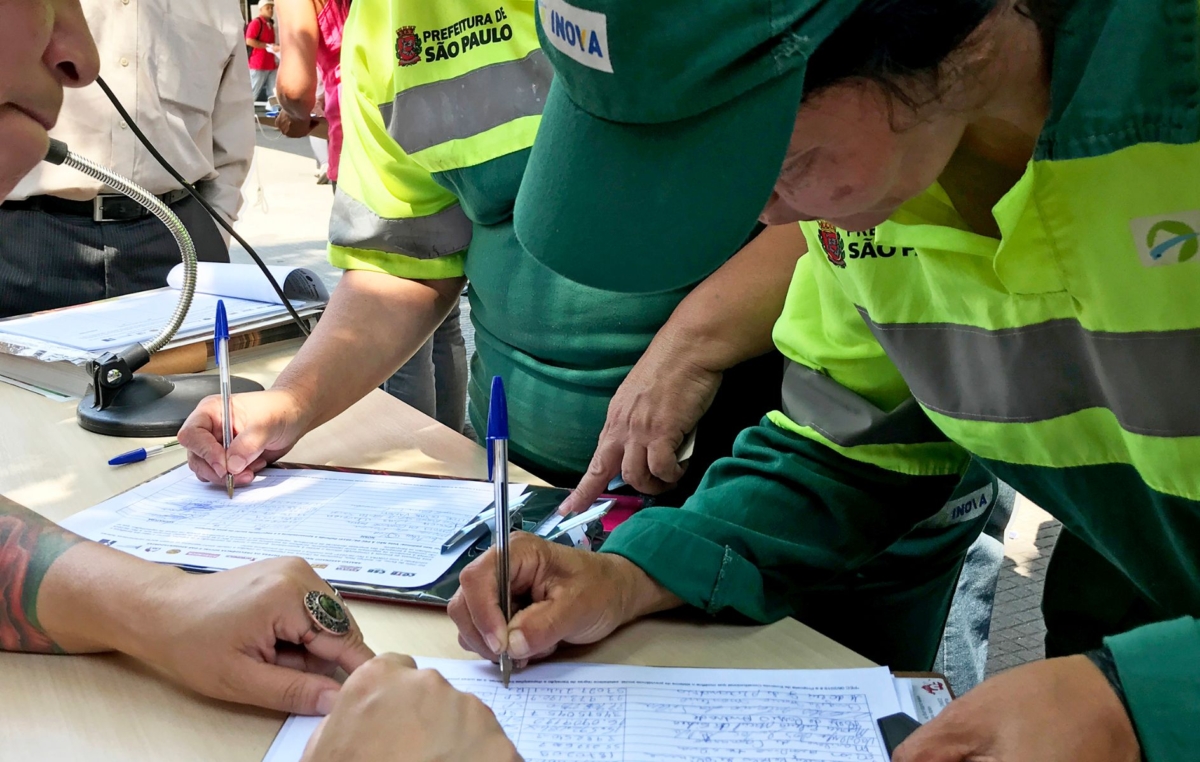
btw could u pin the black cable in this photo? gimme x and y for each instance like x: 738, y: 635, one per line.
x: 207, y: 207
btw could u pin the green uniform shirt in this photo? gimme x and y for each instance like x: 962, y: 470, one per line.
x: 440, y: 104
x: 1062, y: 357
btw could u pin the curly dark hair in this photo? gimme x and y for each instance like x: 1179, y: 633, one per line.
x: 895, y: 43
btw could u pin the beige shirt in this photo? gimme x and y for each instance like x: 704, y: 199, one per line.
x: 179, y: 68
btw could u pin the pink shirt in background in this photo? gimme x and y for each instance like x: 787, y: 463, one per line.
x: 331, y: 21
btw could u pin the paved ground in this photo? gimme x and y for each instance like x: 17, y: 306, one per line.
x: 1017, y: 628
x: 287, y: 222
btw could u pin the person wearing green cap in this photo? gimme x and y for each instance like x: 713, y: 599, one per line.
x: 440, y: 104
x: 1000, y: 203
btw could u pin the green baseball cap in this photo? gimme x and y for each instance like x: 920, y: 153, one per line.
x: 663, y: 132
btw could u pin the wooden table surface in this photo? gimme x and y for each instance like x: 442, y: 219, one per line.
x: 109, y: 707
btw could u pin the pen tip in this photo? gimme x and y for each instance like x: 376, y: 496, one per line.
x: 229, y: 487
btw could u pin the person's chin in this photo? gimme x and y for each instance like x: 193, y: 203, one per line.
x: 25, y: 144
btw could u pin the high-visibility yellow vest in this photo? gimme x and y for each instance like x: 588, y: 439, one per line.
x: 464, y: 85
x: 440, y: 105
x: 1064, y: 355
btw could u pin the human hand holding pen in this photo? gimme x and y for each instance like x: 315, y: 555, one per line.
x: 577, y: 597
x: 268, y: 425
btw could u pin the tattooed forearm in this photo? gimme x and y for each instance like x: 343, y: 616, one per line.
x: 29, y: 544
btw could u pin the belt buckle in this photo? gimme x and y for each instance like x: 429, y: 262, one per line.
x: 98, y: 207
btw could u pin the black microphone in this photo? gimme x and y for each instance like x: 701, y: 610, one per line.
x: 57, y: 152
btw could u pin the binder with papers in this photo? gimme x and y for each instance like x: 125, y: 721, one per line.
x: 49, y: 351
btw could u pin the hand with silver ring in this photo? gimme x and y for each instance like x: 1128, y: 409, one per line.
x: 249, y: 634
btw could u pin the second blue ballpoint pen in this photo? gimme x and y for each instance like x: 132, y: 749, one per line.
x: 497, y: 447
x: 221, y: 350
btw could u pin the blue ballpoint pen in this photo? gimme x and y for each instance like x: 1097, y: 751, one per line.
x: 141, y: 453
x: 497, y: 447
x: 221, y: 350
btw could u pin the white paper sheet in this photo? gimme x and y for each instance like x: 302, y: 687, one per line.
x: 246, y: 281
x: 359, y: 528
x: 116, y: 323
x: 583, y: 712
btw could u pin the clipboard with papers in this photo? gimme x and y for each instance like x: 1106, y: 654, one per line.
x: 370, y: 534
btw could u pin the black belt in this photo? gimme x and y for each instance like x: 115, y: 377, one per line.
x: 106, y: 207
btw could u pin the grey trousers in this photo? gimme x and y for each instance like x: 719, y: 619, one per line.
x: 434, y: 381
x: 49, y: 261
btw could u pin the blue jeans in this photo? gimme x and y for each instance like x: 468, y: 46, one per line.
x: 434, y: 381
x: 262, y: 83
x: 962, y: 656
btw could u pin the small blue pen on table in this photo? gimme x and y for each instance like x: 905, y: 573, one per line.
x: 141, y: 453
x: 221, y: 350
x: 497, y: 448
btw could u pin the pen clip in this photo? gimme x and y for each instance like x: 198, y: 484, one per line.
x: 595, y: 513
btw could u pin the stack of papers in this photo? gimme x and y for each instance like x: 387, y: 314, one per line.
x: 49, y: 350
x: 572, y: 711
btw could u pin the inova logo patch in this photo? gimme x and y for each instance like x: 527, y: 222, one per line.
x: 1167, y: 239
x: 580, y: 34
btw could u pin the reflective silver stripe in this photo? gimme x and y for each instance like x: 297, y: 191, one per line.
x: 475, y: 102
x: 815, y: 400
x: 353, y: 224
x: 1037, y: 372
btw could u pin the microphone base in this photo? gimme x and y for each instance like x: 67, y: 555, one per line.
x: 153, y: 406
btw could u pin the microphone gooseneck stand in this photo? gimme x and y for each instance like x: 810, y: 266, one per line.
x: 145, y: 405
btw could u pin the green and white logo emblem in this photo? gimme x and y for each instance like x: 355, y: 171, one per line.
x: 1167, y: 239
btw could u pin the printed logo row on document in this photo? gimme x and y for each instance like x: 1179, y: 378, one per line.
x: 204, y: 554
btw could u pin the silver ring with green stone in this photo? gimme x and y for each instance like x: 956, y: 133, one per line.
x: 327, y: 612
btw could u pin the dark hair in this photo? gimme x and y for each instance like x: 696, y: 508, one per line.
x: 896, y: 43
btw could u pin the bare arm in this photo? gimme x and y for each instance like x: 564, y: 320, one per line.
x: 29, y: 545
x: 215, y: 633
x: 373, y: 325
x: 726, y: 320
x: 296, y: 82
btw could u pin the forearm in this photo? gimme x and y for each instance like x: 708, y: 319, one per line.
x: 296, y: 82
x: 728, y: 318
x: 256, y: 44
x: 373, y: 325
x: 781, y: 516
x: 60, y: 593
